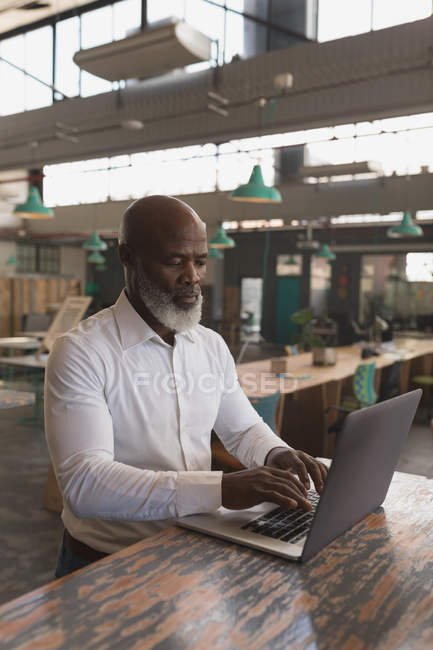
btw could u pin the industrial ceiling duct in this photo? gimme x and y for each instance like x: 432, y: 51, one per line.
x: 154, y: 51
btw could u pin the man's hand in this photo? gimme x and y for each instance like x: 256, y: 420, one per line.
x: 300, y: 463
x: 250, y: 487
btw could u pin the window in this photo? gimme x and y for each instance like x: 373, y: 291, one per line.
x: 49, y: 259
x: 67, y: 74
x: 26, y: 256
x: 39, y: 62
x: 339, y: 18
x: 157, y: 10
x: 38, y: 259
x: 419, y: 267
x: 13, y: 50
x: 387, y: 14
x: 32, y: 51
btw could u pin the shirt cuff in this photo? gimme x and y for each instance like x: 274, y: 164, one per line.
x: 264, y: 448
x: 198, y: 492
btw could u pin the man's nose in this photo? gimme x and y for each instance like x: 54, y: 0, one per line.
x: 190, y: 274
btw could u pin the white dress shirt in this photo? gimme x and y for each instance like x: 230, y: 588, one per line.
x: 128, y: 420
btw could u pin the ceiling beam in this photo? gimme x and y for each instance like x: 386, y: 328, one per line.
x: 365, y: 77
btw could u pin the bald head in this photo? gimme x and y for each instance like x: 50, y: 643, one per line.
x: 153, y: 219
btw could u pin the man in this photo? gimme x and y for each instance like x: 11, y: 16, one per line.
x: 133, y: 393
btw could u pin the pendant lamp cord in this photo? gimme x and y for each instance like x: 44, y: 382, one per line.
x: 265, y: 270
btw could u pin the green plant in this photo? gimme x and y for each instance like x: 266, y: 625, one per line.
x: 308, y: 338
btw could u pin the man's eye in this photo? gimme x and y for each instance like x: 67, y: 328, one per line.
x: 201, y: 262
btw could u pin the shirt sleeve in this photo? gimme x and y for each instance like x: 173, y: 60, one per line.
x: 80, y: 438
x: 238, y: 425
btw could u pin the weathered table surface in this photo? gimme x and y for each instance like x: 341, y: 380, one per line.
x: 371, y: 588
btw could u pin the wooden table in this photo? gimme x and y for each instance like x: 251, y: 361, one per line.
x: 37, y: 334
x: 19, y: 343
x: 11, y: 398
x: 370, y: 588
x: 305, y: 399
x: 36, y: 367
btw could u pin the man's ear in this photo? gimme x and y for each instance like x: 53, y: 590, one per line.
x: 126, y: 254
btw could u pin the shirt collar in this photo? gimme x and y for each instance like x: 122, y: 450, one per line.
x: 132, y: 328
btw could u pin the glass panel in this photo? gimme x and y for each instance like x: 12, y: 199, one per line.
x: 67, y: 77
x: 126, y: 18
x: 257, y: 8
x: 251, y: 305
x: 92, y: 85
x: 255, y: 38
x: 26, y: 255
x: 234, y: 41
x: 339, y: 18
x: 12, y: 49
x: 97, y: 27
x: 209, y: 20
x: 289, y: 265
x: 386, y: 13
x: 320, y: 284
x: 49, y: 259
x: 121, y: 183
x: 157, y: 10
x: 39, y: 62
x: 419, y: 267
x: 93, y: 187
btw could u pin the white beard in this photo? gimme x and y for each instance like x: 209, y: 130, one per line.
x: 162, y: 306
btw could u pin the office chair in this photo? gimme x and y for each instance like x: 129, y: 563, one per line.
x: 426, y: 383
x: 266, y: 407
x: 363, y: 395
x: 390, y: 385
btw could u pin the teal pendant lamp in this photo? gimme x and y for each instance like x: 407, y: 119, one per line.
x: 406, y: 228
x: 222, y: 240
x: 96, y: 258
x: 11, y: 261
x: 214, y: 253
x: 325, y: 253
x: 33, y: 208
x: 255, y: 191
x: 95, y: 243
x: 101, y: 267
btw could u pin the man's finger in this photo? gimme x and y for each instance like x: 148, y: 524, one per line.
x: 316, y: 475
x: 290, y: 489
x: 288, y: 476
x: 273, y: 496
x: 323, y: 470
x: 301, y: 471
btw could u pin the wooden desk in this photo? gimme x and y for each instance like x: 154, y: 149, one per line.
x: 11, y: 398
x: 19, y: 343
x: 306, y: 399
x: 370, y: 588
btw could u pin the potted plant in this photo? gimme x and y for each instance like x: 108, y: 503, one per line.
x: 318, y: 335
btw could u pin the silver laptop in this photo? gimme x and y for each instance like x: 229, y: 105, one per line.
x: 366, y: 455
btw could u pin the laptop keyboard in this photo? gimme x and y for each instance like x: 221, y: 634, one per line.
x: 286, y: 525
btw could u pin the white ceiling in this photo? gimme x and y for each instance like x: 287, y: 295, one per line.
x: 12, y: 16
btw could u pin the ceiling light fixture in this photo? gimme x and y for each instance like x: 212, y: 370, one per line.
x: 325, y: 253
x: 214, y: 253
x: 255, y: 191
x: 96, y: 258
x: 33, y: 208
x: 11, y: 261
x: 406, y: 228
x: 95, y: 243
x: 222, y: 240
